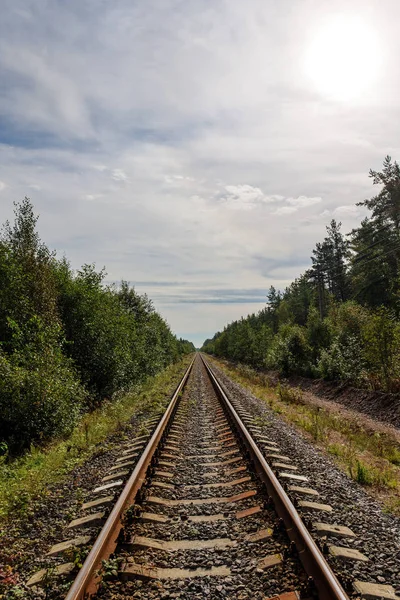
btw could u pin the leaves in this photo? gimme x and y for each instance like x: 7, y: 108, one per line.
x: 67, y: 340
x: 340, y: 319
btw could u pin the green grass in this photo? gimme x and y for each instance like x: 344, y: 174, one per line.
x: 28, y: 477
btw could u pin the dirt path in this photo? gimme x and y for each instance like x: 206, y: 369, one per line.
x: 368, y: 423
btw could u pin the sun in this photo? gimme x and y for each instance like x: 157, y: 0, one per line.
x: 343, y: 59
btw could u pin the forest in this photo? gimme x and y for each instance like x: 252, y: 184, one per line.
x: 67, y: 339
x: 340, y: 320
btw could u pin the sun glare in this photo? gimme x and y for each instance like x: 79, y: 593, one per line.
x: 343, y: 59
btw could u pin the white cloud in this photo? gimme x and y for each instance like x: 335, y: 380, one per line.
x: 349, y: 210
x: 285, y: 210
x: 119, y: 175
x: 92, y: 197
x: 2, y: 185
x: 245, y: 197
x: 183, y: 103
x: 241, y: 197
x: 296, y: 203
x: 178, y: 179
x: 325, y: 214
x: 302, y: 201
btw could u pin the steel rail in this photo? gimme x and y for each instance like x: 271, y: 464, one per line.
x: 88, y: 580
x: 315, y: 565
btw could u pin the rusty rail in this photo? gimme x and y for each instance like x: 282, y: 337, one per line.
x: 87, y: 580
x: 315, y: 565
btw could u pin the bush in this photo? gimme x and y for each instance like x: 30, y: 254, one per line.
x: 347, y: 321
x: 342, y: 361
x: 289, y: 352
x: 382, y: 342
x: 40, y: 394
x: 67, y: 341
x: 319, y: 333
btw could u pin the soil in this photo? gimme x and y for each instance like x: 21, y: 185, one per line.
x: 380, y: 406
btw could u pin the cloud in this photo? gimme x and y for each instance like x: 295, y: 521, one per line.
x: 2, y: 185
x: 302, y: 201
x: 296, y: 203
x: 248, y: 197
x: 178, y: 180
x: 181, y: 141
x: 242, y: 197
x: 92, y: 197
x: 119, y: 175
x: 349, y: 210
x: 285, y: 210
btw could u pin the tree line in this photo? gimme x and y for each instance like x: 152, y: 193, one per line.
x: 67, y: 340
x: 340, y: 320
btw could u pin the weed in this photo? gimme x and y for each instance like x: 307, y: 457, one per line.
x: 131, y: 514
x: 48, y: 580
x: 109, y: 570
x: 15, y: 593
x: 317, y: 425
x: 77, y: 555
x: 335, y: 449
x: 289, y: 395
x: 261, y: 421
x: 193, y: 532
x: 363, y: 475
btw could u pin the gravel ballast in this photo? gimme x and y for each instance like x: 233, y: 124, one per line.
x: 197, y: 446
x: 377, y: 533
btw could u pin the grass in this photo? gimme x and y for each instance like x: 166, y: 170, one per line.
x: 28, y: 477
x: 369, y: 457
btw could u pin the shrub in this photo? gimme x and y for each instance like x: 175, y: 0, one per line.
x: 289, y: 395
x: 40, y: 394
x: 319, y: 335
x: 289, y: 351
x: 342, y: 361
x: 382, y: 341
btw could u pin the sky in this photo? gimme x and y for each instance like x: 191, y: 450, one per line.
x: 196, y: 148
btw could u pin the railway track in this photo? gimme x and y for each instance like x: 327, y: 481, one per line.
x: 204, y: 513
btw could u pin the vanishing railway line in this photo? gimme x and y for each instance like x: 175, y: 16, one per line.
x: 205, y: 513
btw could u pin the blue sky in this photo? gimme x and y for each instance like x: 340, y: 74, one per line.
x: 197, y: 149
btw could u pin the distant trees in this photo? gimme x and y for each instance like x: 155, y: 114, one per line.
x: 340, y: 319
x: 67, y: 340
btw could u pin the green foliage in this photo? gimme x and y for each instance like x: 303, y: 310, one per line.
x: 330, y: 263
x: 67, y: 340
x: 376, y: 243
x: 319, y: 334
x: 344, y: 358
x: 289, y: 394
x: 340, y: 319
x: 40, y: 395
x: 100, y: 333
x: 362, y: 474
x: 381, y: 347
x: 289, y: 352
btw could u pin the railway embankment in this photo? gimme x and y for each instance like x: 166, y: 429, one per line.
x: 364, y: 447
